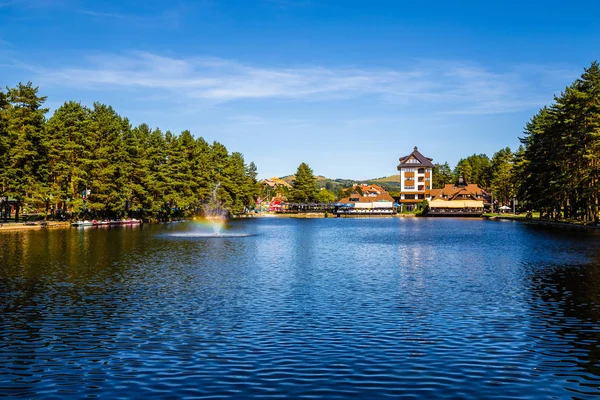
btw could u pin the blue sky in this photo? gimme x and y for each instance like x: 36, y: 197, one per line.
x: 346, y: 86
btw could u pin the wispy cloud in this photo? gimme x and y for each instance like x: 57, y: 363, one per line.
x: 100, y: 14
x: 453, y: 87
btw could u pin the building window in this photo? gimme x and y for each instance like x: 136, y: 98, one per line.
x: 421, y: 196
x: 409, y: 187
x: 409, y: 169
x: 412, y: 161
x: 409, y: 197
x: 421, y: 170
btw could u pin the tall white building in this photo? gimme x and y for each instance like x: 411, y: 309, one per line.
x: 416, y: 172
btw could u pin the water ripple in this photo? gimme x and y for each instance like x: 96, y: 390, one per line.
x: 301, y: 309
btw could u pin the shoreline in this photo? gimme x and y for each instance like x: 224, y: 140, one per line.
x: 23, y: 226
x: 321, y: 215
x: 559, y: 224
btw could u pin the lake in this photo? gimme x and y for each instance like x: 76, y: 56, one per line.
x: 301, y: 308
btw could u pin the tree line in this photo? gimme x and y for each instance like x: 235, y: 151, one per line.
x: 90, y: 162
x: 556, y: 170
x: 494, y: 175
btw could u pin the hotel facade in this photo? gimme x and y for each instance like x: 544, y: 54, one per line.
x: 416, y: 173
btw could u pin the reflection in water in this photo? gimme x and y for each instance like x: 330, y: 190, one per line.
x: 566, y: 303
x: 302, y: 308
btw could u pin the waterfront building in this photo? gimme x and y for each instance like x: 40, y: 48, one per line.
x: 460, y: 199
x: 416, y: 172
x: 274, y: 192
x: 275, y: 182
x: 373, y: 200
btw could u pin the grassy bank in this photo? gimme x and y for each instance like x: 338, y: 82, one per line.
x: 536, y: 220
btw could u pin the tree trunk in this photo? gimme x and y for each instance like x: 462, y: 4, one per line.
x: 17, y: 208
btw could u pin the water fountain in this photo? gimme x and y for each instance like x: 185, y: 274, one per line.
x: 214, y: 212
x: 213, y: 223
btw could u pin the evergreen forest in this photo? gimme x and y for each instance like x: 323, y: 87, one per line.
x: 91, y: 163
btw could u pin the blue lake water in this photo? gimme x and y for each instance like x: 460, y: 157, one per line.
x: 336, y: 308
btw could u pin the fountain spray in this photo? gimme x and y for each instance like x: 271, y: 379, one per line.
x: 214, y: 211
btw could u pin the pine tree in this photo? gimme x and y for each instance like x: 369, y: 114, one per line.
x: 4, y: 147
x: 106, y: 181
x: 136, y: 167
x: 156, y: 157
x: 69, y: 156
x: 27, y: 167
x: 502, y: 179
x: 475, y: 169
x: 304, y: 188
x: 442, y: 175
x: 204, y: 174
x: 464, y: 169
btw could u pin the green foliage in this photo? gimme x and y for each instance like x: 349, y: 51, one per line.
x: 325, y: 196
x: 26, y: 166
x: 91, y: 162
x: 558, y: 170
x: 503, y: 187
x: 476, y: 168
x: 4, y: 142
x: 342, y: 193
x: 304, y: 188
x: 422, y: 208
x: 442, y: 175
x: 391, y: 182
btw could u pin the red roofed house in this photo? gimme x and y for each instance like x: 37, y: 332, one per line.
x: 460, y: 199
x: 374, y: 200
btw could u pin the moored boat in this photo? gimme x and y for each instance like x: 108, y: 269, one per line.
x: 82, y: 223
x: 101, y: 223
x: 105, y: 223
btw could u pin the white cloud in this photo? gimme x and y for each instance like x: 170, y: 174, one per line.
x: 449, y: 87
x: 100, y: 14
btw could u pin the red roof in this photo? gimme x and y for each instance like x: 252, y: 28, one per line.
x: 368, y: 199
x: 451, y: 192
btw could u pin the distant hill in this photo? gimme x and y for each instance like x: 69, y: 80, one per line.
x: 390, y: 183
